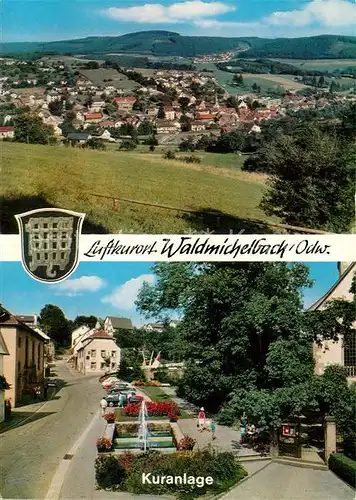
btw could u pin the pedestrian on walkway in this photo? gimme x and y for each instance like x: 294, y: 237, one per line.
x: 103, y: 406
x: 213, y: 429
x: 243, y: 426
x: 201, y: 419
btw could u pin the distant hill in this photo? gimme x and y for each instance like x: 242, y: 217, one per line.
x: 168, y: 43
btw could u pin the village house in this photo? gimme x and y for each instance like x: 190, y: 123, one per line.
x: 113, y: 323
x: 98, y: 354
x: 169, y: 113
x: 24, y: 367
x: 93, y: 117
x: 342, y: 352
x: 7, y: 132
x: 167, y: 127
x: 78, y: 138
x: 198, y: 126
x: 78, y: 333
x: 124, y: 103
x: 206, y: 118
x: 3, y: 352
x: 32, y: 321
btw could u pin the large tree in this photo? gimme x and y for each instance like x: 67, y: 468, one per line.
x: 54, y: 323
x: 31, y: 129
x: 89, y: 321
x: 312, y: 180
x: 245, y: 335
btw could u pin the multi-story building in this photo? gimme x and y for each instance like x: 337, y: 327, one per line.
x: 3, y: 352
x: 24, y: 366
x: 124, y: 103
x: 113, y: 323
x: 343, y: 351
x: 98, y: 353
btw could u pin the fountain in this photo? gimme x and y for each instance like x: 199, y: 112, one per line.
x: 143, y: 433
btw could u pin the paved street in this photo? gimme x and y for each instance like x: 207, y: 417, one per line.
x: 283, y: 482
x: 31, y: 453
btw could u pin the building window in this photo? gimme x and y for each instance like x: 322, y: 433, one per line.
x: 113, y: 354
x: 26, y: 352
x: 87, y: 357
x: 93, y: 365
x: 33, y: 352
x: 39, y: 355
x: 18, y: 367
x: 19, y: 342
x: 350, y: 350
x: 93, y: 353
x: 113, y: 365
x: 103, y: 354
x: 102, y: 366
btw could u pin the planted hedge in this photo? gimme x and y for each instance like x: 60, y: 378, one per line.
x: 125, y: 472
x: 343, y: 467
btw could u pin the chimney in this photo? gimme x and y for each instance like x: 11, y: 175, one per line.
x: 35, y: 319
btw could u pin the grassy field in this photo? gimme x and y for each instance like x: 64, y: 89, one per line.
x: 273, y: 81
x: 34, y: 176
x: 321, y: 64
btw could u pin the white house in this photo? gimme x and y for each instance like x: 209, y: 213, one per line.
x: 3, y: 352
x: 98, y: 354
x: 340, y: 352
x: 77, y: 333
x: 112, y: 323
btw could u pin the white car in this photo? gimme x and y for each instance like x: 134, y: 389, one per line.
x: 109, y: 381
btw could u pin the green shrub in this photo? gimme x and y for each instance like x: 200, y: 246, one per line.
x: 222, y: 467
x: 109, y: 472
x: 191, y: 159
x: 169, y: 155
x: 343, y: 467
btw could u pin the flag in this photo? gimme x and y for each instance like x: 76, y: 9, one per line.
x: 156, y: 362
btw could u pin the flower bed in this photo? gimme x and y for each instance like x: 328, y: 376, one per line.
x: 151, y: 383
x: 110, y: 417
x: 103, y: 444
x: 154, y: 409
x: 124, y: 472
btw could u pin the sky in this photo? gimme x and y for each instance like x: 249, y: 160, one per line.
x: 108, y: 289
x: 45, y: 20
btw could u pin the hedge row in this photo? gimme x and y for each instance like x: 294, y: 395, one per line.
x: 343, y: 467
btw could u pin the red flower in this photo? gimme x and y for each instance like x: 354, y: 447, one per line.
x: 154, y: 409
x: 109, y: 417
x: 104, y: 443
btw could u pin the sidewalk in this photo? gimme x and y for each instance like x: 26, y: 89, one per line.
x: 284, y: 482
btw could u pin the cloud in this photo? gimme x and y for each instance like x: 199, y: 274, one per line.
x: 175, y: 13
x: 326, y: 13
x: 79, y: 285
x: 124, y: 296
x: 315, y: 18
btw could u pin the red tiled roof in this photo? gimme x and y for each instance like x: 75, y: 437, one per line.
x: 130, y: 100
x: 100, y: 334
x: 93, y: 116
x: 7, y: 129
x: 205, y: 116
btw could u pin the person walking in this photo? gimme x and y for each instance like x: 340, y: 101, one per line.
x: 201, y: 419
x: 243, y: 426
x: 103, y: 406
x: 213, y: 429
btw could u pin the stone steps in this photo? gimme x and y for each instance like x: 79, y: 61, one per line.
x: 297, y: 462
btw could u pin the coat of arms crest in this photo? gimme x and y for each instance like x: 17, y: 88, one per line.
x: 50, y: 242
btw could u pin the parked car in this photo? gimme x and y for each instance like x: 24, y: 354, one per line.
x: 135, y: 399
x: 51, y: 383
x: 114, y: 399
x: 110, y: 381
x: 118, y: 387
